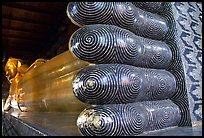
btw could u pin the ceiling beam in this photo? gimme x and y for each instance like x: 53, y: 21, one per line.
x: 15, y: 40
x: 20, y: 47
x: 27, y: 16
x: 53, y: 8
x: 22, y: 30
x: 22, y: 34
x: 20, y: 52
x: 20, y: 25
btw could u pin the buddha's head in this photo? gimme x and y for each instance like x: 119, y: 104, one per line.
x: 11, y: 67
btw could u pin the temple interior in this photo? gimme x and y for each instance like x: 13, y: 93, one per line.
x: 101, y: 69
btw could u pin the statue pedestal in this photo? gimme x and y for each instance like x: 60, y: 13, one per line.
x: 64, y: 124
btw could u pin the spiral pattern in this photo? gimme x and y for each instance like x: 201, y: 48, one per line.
x: 122, y: 14
x: 180, y: 97
x: 111, y: 44
x: 153, y: 7
x: 161, y: 114
x: 159, y: 88
x: 91, y: 84
x: 175, y: 67
x: 100, y: 121
x: 128, y: 119
x: 134, y: 119
x: 119, y: 83
x: 83, y: 13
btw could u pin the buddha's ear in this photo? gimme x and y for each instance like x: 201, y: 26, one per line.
x: 19, y: 64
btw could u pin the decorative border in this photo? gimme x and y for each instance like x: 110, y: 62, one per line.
x: 176, y: 67
x: 188, y: 17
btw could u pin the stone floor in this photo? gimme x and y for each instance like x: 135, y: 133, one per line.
x: 177, y: 131
x: 64, y: 124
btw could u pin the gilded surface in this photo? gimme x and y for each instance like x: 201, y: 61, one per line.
x: 45, y: 85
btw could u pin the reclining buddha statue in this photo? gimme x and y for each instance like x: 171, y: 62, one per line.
x: 43, y: 86
x: 15, y: 69
x: 114, y: 73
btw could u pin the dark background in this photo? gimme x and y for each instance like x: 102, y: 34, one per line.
x: 32, y: 30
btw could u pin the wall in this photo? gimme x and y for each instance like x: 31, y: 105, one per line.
x: 188, y: 17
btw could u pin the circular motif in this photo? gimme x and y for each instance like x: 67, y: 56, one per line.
x: 119, y: 83
x: 154, y: 7
x: 122, y: 14
x: 128, y: 119
x: 103, y: 44
x: 100, y: 121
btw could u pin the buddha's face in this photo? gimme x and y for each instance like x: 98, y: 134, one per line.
x: 11, y: 68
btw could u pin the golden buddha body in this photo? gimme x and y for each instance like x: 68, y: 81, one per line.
x: 46, y: 85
